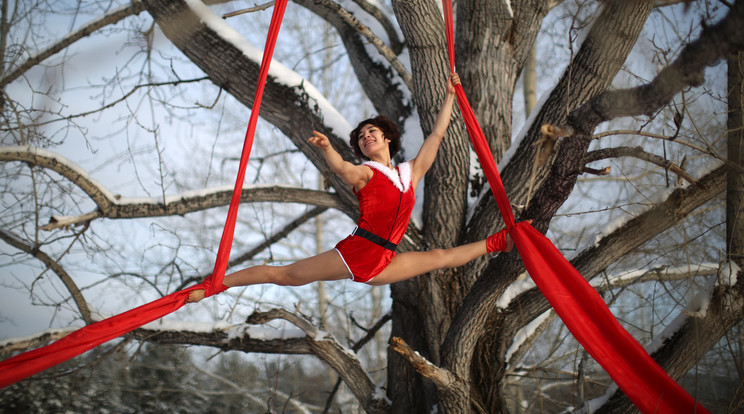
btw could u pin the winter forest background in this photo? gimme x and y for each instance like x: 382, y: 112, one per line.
x: 122, y: 125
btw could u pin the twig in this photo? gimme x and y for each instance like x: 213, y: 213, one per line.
x: 248, y: 10
x: 640, y: 154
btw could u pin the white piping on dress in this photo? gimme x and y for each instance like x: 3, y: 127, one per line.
x: 345, y: 264
x: 402, y: 182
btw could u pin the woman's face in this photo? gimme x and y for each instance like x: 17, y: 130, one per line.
x: 371, y: 140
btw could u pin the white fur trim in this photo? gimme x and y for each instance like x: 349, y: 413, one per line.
x: 402, y: 181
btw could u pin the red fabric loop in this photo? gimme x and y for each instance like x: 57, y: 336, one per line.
x: 29, y: 363
x: 496, y: 242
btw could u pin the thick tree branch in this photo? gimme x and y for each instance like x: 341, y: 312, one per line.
x: 368, y: 336
x: 378, y: 80
x: 715, y: 43
x: 114, y: 206
x: 12, y: 345
x: 441, y: 377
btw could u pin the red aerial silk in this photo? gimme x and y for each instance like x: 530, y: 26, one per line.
x: 29, y: 363
x: 581, y: 308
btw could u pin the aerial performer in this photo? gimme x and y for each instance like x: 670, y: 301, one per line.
x: 386, y: 199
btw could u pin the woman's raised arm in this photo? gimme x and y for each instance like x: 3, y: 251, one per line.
x: 428, y: 151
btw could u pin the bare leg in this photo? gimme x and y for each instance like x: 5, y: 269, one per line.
x: 325, y: 266
x: 407, y: 265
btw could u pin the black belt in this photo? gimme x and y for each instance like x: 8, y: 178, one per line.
x: 374, y: 238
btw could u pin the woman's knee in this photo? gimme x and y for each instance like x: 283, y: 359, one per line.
x: 285, y: 276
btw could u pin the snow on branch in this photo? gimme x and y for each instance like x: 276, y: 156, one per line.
x: 10, y: 345
x: 114, y: 206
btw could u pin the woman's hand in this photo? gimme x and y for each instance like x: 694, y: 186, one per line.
x: 453, y: 80
x: 319, y: 140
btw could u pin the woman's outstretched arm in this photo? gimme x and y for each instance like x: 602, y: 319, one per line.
x: 356, y: 176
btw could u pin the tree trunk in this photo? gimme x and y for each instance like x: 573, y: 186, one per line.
x: 735, y: 179
x: 422, y: 306
x: 431, y: 301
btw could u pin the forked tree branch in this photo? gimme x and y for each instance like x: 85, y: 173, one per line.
x: 57, y: 268
x: 327, y: 348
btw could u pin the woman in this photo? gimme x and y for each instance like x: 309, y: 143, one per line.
x: 386, y: 199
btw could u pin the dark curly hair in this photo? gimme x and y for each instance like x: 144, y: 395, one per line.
x: 389, y: 130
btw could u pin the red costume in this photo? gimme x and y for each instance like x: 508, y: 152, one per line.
x: 385, y: 206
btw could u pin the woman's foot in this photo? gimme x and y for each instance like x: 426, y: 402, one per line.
x: 195, y: 296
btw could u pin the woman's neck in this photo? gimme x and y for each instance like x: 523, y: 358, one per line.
x: 386, y: 161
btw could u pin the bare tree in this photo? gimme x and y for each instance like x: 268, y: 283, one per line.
x: 632, y: 190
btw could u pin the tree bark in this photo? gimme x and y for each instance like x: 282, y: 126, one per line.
x: 495, y: 37
x: 529, y: 82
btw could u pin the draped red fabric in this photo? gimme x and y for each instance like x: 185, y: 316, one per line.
x: 29, y: 363
x: 581, y: 308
